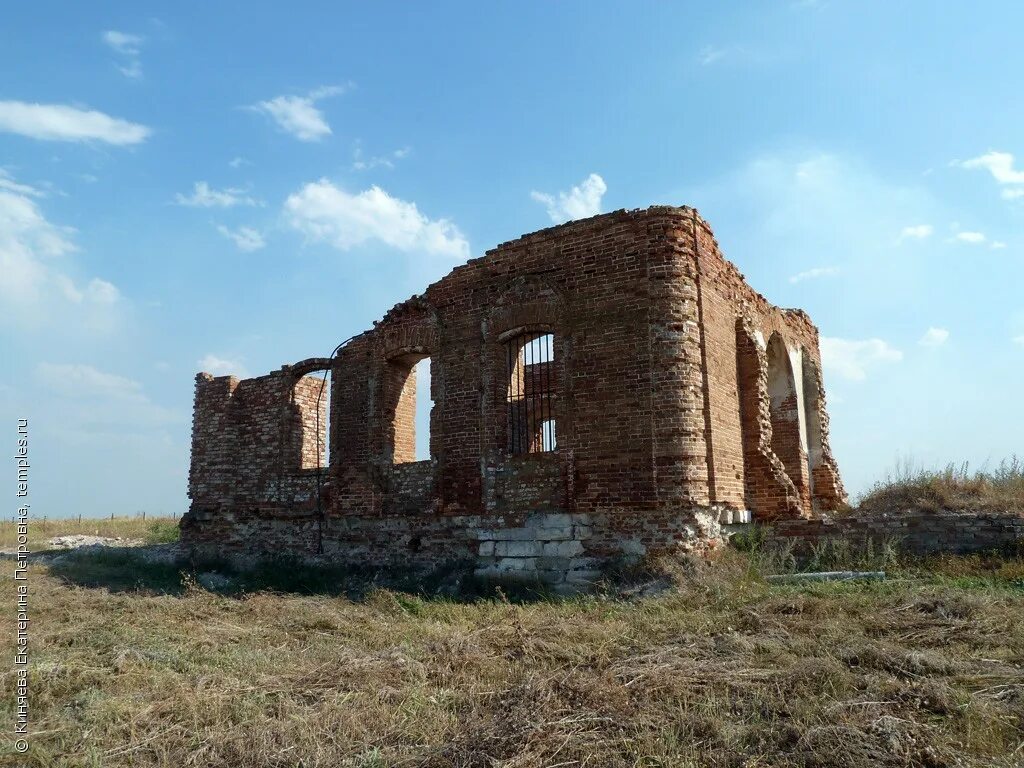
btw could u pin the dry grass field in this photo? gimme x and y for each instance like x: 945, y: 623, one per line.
x: 134, y: 528
x: 135, y: 664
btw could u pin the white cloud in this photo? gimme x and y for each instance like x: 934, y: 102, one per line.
x: 8, y: 183
x: 204, y: 197
x: 94, y: 402
x: 851, y: 359
x: 238, y: 162
x: 85, y: 381
x: 128, y: 46
x: 59, y: 122
x: 132, y: 70
x: 974, y: 238
x: 246, y: 238
x: 1019, y: 340
x: 916, y: 232
x: 709, y: 54
x: 298, y: 115
x: 97, y: 291
x: 324, y: 212
x: 122, y: 42
x: 998, y: 244
x: 934, y: 337
x: 34, y: 279
x: 362, y: 163
x: 1001, y: 166
x: 810, y: 274
x: 580, y: 202
x: 219, y: 366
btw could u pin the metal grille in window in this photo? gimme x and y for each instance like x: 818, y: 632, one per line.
x: 531, y: 393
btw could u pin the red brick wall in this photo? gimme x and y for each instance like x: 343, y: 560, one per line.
x: 661, y: 414
x: 725, y: 298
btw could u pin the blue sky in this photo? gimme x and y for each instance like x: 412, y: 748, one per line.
x: 233, y: 187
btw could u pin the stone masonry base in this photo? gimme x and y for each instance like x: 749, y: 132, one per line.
x: 562, y: 550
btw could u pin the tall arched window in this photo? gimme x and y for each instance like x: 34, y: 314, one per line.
x: 785, y: 413
x: 531, y: 398
x: 310, y: 398
x: 408, y: 404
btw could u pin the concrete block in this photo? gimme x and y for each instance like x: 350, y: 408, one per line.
x: 486, y: 548
x: 517, y: 548
x: 582, y: 531
x: 549, y: 520
x: 561, y: 533
x: 563, y: 548
x: 508, y: 534
x: 511, y: 565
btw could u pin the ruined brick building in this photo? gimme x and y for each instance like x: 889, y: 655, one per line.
x: 607, y: 387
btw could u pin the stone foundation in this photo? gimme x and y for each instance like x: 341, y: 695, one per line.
x: 913, y: 531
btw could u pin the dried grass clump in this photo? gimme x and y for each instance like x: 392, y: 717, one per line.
x: 955, y: 488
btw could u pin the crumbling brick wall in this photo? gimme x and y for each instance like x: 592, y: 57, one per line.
x: 658, y: 392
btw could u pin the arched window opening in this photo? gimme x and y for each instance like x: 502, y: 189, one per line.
x: 409, y: 401
x: 785, y: 411
x: 424, y: 408
x: 311, y: 396
x: 532, y: 383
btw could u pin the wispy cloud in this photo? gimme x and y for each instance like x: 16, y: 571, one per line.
x: 326, y: 213
x: 299, y: 115
x: 580, y: 202
x: 813, y: 273
x: 916, y: 232
x: 8, y: 183
x: 853, y: 358
x: 91, y: 397
x: 361, y: 162
x: 971, y: 238
x: 246, y: 238
x: 1001, y: 166
x: 129, y: 46
x: 36, y: 278
x: 203, y: 196
x: 59, y: 122
x: 238, y: 162
x: 220, y: 366
x: 934, y: 337
x: 123, y: 42
x: 87, y: 381
x: 710, y: 54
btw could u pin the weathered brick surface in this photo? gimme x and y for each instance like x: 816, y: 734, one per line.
x: 661, y: 390
x: 914, y: 531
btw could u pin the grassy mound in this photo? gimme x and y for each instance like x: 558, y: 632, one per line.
x: 956, y: 488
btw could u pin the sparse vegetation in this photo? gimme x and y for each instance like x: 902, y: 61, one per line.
x: 957, y: 488
x: 140, y: 662
x: 151, y: 530
x: 137, y: 664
